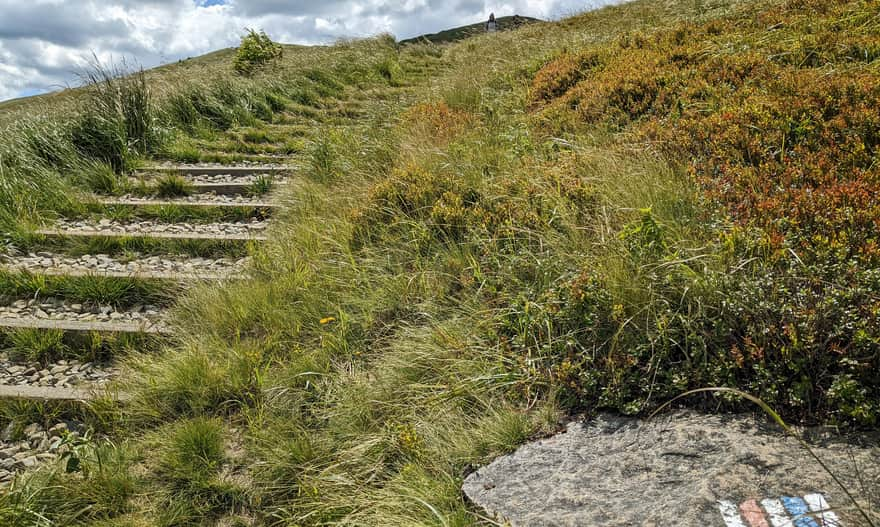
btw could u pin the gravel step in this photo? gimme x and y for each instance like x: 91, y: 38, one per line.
x: 73, y: 374
x: 241, y: 182
x: 139, y: 266
x: 216, y: 185
x: 230, y: 188
x: 56, y: 313
x: 231, y: 231
x: 163, y: 236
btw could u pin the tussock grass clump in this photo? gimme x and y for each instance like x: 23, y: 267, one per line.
x: 31, y: 181
x: 98, y: 488
x: 116, y: 121
x: 183, y: 153
x: 261, y: 186
x: 98, y: 177
x: 194, y: 451
x: 36, y: 345
x: 171, y: 186
x: 45, y: 346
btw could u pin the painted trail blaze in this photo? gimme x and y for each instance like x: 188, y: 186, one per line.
x: 811, y: 510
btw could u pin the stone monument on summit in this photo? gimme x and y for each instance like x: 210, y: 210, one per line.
x: 491, y: 25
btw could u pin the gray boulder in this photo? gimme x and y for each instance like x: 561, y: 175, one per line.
x: 679, y: 469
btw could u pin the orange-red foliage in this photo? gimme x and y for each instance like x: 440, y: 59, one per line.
x: 437, y: 121
x: 780, y: 124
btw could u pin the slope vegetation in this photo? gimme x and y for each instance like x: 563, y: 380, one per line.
x: 484, y: 238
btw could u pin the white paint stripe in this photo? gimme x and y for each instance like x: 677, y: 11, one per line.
x: 730, y: 513
x: 778, y: 516
x: 817, y: 503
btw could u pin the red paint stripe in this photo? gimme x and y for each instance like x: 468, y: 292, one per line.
x: 753, y: 514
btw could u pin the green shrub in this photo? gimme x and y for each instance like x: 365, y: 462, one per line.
x: 256, y: 50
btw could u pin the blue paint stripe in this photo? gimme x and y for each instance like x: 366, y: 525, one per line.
x: 797, y: 507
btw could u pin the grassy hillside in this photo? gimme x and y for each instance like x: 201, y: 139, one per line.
x: 505, y: 23
x: 484, y: 239
x: 214, y: 64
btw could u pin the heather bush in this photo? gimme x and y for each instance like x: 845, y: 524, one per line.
x: 781, y: 136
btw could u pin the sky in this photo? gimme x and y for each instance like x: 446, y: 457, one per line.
x: 44, y: 43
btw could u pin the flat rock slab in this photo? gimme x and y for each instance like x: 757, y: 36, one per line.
x: 683, y: 469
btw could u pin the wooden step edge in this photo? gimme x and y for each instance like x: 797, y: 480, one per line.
x: 55, y: 233
x: 216, y: 170
x: 138, y: 275
x: 109, y: 202
x: 52, y: 393
x: 82, y: 326
x: 227, y: 188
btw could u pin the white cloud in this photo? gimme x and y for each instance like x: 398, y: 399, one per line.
x: 43, y: 43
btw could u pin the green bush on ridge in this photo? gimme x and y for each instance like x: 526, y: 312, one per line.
x: 255, y: 51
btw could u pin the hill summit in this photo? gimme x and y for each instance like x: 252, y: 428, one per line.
x: 505, y: 23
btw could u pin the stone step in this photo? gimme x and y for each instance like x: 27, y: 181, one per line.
x: 60, y: 233
x: 184, y: 203
x: 245, y: 170
x: 83, y: 326
x: 141, y: 275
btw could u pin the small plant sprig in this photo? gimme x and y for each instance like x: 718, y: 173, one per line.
x: 261, y: 186
x: 72, y: 448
